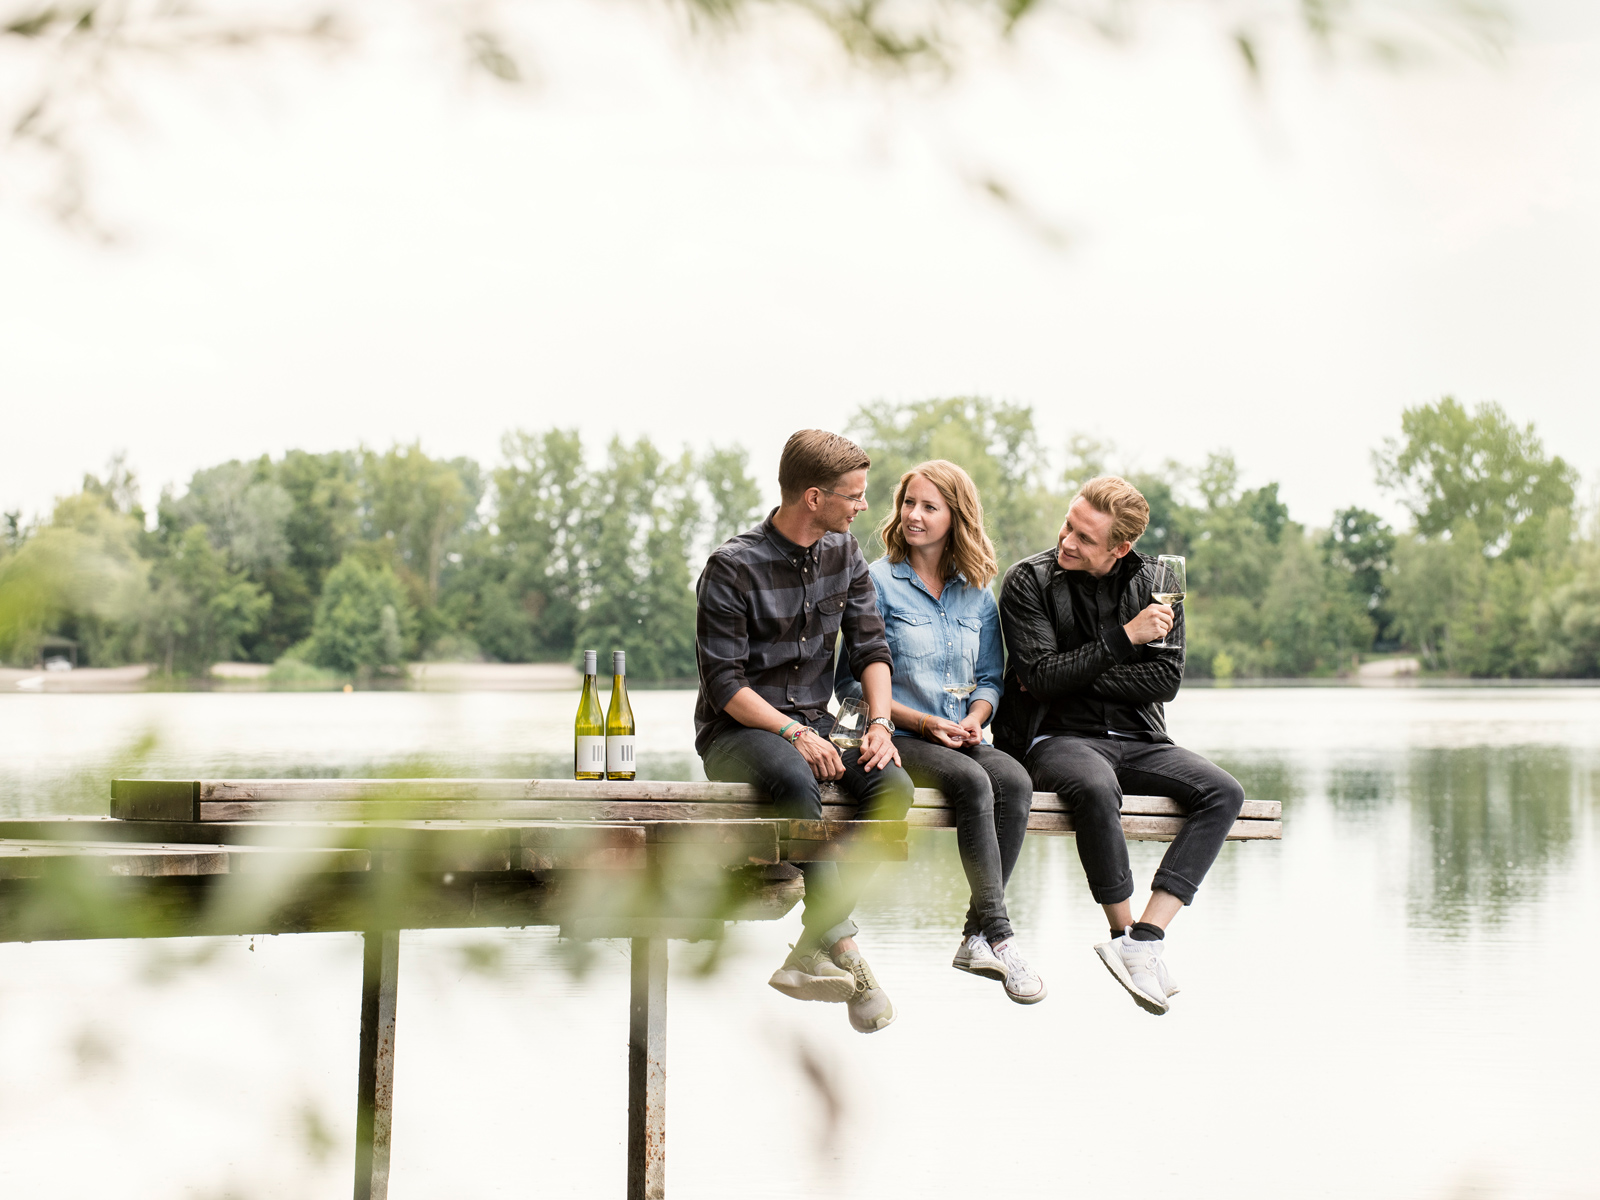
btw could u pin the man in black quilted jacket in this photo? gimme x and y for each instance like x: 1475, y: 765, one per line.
x: 1082, y: 709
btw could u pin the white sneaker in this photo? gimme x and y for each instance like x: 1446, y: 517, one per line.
x: 812, y: 975
x: 1169, y: 985
x: 1137, y: 966
x: 1022, y: 983
x: 869, y: 1006
x: 976, y: 958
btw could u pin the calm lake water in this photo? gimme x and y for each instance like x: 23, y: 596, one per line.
x: 1396, y: 1001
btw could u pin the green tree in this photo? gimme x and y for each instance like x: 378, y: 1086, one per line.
x: 1359, y: 546
x: 1308, y: 623
x: 1451, y: 467
x: 735, y: 496
x: 642, y: 520
x: 526, y: 584
x: 324, y: 509
x: 419, y: 508
x: 994, y: 441
x: 1437, y: 588
x: 245, y: 512
x: 82, y: 575
x: 1172, y: 523
x: 361, y: 619
x: 1566, y: 622
x: 200, y: 607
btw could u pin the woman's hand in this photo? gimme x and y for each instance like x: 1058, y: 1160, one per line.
x: 972, y: 723
x: 944, y: 733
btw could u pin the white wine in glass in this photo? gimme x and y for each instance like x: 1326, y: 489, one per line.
x: 962, y: 690
x: 850, y: 725
x: 1174, y: 585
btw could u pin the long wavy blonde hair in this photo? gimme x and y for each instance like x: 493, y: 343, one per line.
x: 967, y: 549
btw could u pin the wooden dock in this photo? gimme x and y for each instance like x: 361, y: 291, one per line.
x: 648, y: 861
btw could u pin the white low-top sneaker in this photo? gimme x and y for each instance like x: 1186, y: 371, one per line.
x: 1169, y: 985
x: 869, y: 1007
x: 1022, y: 983
x: 812, y: 975
x: 1137, y: 966
x: 976, y: 958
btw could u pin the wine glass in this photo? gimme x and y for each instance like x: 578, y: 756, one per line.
x: 850, y: 725
x: 962, y: 690
x: 1174, y: 575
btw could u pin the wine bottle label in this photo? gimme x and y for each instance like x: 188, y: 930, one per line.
x: 589, y: 757
x: 619, y: 753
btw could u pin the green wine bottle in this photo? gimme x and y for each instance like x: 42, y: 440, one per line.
x: 619, y: 722
x: 589, y: 746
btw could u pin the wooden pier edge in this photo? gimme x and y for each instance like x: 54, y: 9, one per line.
x: 1144, y: 818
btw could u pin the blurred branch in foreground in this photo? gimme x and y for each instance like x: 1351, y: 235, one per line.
x: 67, y: 68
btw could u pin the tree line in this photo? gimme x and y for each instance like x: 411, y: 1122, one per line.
x: 353, y: 562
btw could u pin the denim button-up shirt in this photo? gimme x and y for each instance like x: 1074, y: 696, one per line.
x: 935, y: 643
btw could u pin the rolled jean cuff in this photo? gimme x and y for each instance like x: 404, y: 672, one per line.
x: 1115, y: 894
x: 828, y: 937
x: 1180, y: 887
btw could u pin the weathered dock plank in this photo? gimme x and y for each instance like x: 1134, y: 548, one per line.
x: 409, y: 792
x: 21, y: 859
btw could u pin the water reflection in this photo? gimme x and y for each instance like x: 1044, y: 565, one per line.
x: 1488, y: 829
x: 1360, y: 790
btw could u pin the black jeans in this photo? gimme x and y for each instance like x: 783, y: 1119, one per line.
x: 770, y: 763
x: 1090, y: 775
x: 991, y: 795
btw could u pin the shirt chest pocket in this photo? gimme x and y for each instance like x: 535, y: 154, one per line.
x: 830, y: 611
x: 970, y: 630
x: 913, y: 636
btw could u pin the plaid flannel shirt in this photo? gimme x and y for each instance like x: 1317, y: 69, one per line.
x: 767, y: 616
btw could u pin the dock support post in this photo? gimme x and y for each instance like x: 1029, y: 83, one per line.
x: 380, y: 961
x: 647, y: 1071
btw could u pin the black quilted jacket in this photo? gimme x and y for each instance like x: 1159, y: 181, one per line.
x: 1065, y: 646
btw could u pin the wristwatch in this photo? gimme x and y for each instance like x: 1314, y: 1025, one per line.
x: 884, y: 721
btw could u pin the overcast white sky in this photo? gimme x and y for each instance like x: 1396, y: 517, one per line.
x: 714, y: 241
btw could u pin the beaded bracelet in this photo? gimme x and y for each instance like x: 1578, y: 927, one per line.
x: 784, y: 732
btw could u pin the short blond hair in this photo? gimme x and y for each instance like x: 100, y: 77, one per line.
x: 968, y: 548
x: 815, y: 458
x: 1122, y: 502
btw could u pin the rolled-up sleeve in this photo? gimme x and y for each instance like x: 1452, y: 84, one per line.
x: 990, y: 676
x: 845, y: 685
x: 721, y: 637
x: 864, y: 639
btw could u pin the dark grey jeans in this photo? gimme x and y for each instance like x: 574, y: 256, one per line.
x: 770, y: 763
x: 991, y: 795
x: 1091, y: 774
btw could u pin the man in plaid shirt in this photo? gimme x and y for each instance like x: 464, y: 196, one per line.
x: 771, y: 604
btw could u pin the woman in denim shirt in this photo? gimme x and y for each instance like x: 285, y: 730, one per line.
x: 944, y: 632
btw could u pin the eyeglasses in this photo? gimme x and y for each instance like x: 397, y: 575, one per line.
x: 859, y: 501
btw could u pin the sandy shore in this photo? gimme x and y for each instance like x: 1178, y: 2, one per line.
x: 84, y: 679
x: 432, y: 677
x: 494, y: 677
